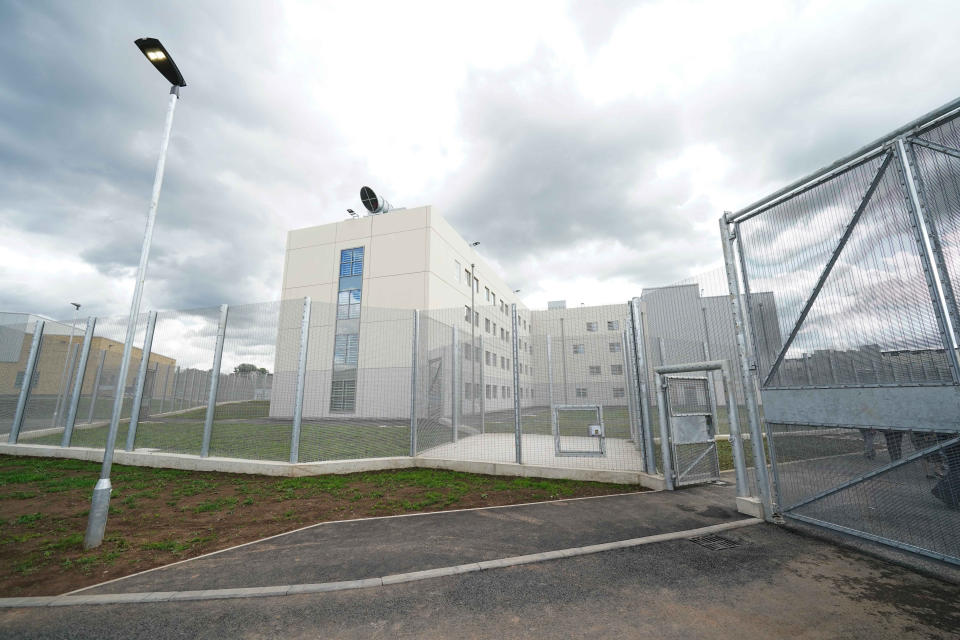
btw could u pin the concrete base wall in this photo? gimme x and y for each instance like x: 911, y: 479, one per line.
x: 269, y: 468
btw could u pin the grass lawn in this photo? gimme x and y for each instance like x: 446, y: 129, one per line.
x: 159, y: 516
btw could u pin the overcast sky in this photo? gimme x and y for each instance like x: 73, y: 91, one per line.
x: 590, y: 147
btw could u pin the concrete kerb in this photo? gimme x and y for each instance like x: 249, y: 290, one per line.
x: 187, y: 462
x: 284, y: 590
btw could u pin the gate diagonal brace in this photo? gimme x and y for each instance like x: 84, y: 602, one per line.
x: 828, y: 268
x: 712, y: 447
x: 916, y: 455
x: 935, y: 146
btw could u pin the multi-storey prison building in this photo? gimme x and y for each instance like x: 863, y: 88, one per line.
x: 366, y: 276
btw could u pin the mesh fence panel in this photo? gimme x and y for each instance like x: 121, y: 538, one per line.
x: 939, y: 178
x: 183, y: 341
x: 909, y: 503
x: 872, y: 322
x: 242, y: 426
x: 357, y: 393
x: 580, y: 378
x: 15, y: 338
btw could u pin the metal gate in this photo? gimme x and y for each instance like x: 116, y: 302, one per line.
x: 692, y: 419
x: 850, y: 324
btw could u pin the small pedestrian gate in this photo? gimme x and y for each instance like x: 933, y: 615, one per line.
x: 692, y: 420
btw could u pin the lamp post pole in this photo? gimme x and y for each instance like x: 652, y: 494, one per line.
x: 97, y: 522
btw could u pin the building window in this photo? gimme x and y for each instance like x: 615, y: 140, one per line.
x: 348, y: 304
x: 614, y: 347
x: 493, y: 298
x: 486, y: 390
x: 578, y: 348
x: 351, y: 262
x: 486, y: 291
x: 618, y: 392
x: 467, y: 351
x: 595, y: 370
x: 503, y: 362
x: 343, y: 395
x: 613, y: 325
x: 502, y: 333
x: 486, y: 325
x: 476, y: 318
x: 19, y: 379
x: 581, y: 392
x: 346, y: 349
x: 616, y: 369
x: 466, y: 313
x: 476, y: 285
x: 494, y: 329
x: 467, y: 277
x: 591, y: 326
x: 494, y: 387
x: 456, y: 269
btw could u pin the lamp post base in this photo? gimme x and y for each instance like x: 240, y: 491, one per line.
x: 97, y: 521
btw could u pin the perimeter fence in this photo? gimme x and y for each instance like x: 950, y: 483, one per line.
x: 305, y: 381
x: 857, y: 366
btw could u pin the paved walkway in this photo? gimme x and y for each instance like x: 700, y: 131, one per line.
x: 360, y: 549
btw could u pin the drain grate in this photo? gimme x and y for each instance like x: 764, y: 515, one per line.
x: 715, y: 542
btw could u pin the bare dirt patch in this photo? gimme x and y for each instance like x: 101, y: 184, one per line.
x: 158, y: 516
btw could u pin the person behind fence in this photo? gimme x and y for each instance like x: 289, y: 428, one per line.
x: 947, y: 490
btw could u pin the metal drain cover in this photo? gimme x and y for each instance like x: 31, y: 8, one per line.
x: 715, y: 542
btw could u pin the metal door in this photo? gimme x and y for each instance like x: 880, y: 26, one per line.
x: 691, y: 414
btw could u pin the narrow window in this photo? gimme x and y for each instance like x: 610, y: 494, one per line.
x: 616, y: 369
x: 618, y: 392
x: 614, y: 347
x: 613, y: 325
x: 581, y: 392
x: 594, y: 370
x: 591, y: 326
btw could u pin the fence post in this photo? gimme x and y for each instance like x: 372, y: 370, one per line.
x: 943, y: 307
x: 214, y: 383
x: 413, y: 383
x: 78, y: 383
x: 749, y: 391
x: 553, y: 425
x: 301, y: 383
x: 96, y: 385
x: 630, y: 386
x: 640, y: 359
x: 736, y: 441
x: 60, y: 414
x: 664, y: 430
x: 455, y: 383
x: 516, y: 385
x: 141, y: 378
x: 163, y: 393
x: 483, y: 389
x: 27, y: 382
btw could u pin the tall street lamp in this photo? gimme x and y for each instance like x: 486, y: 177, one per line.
x: 97, y: 522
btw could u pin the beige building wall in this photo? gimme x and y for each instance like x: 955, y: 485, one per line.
x: 413, y: 259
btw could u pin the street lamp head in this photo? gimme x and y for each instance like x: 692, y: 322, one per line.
x: 76, y: 305
x: 473, y: 244
x: 160, y: 58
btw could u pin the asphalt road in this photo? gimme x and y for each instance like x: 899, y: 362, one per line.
x: 775, y: 584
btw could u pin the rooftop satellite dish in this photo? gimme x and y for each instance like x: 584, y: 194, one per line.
x: 372, y: 202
